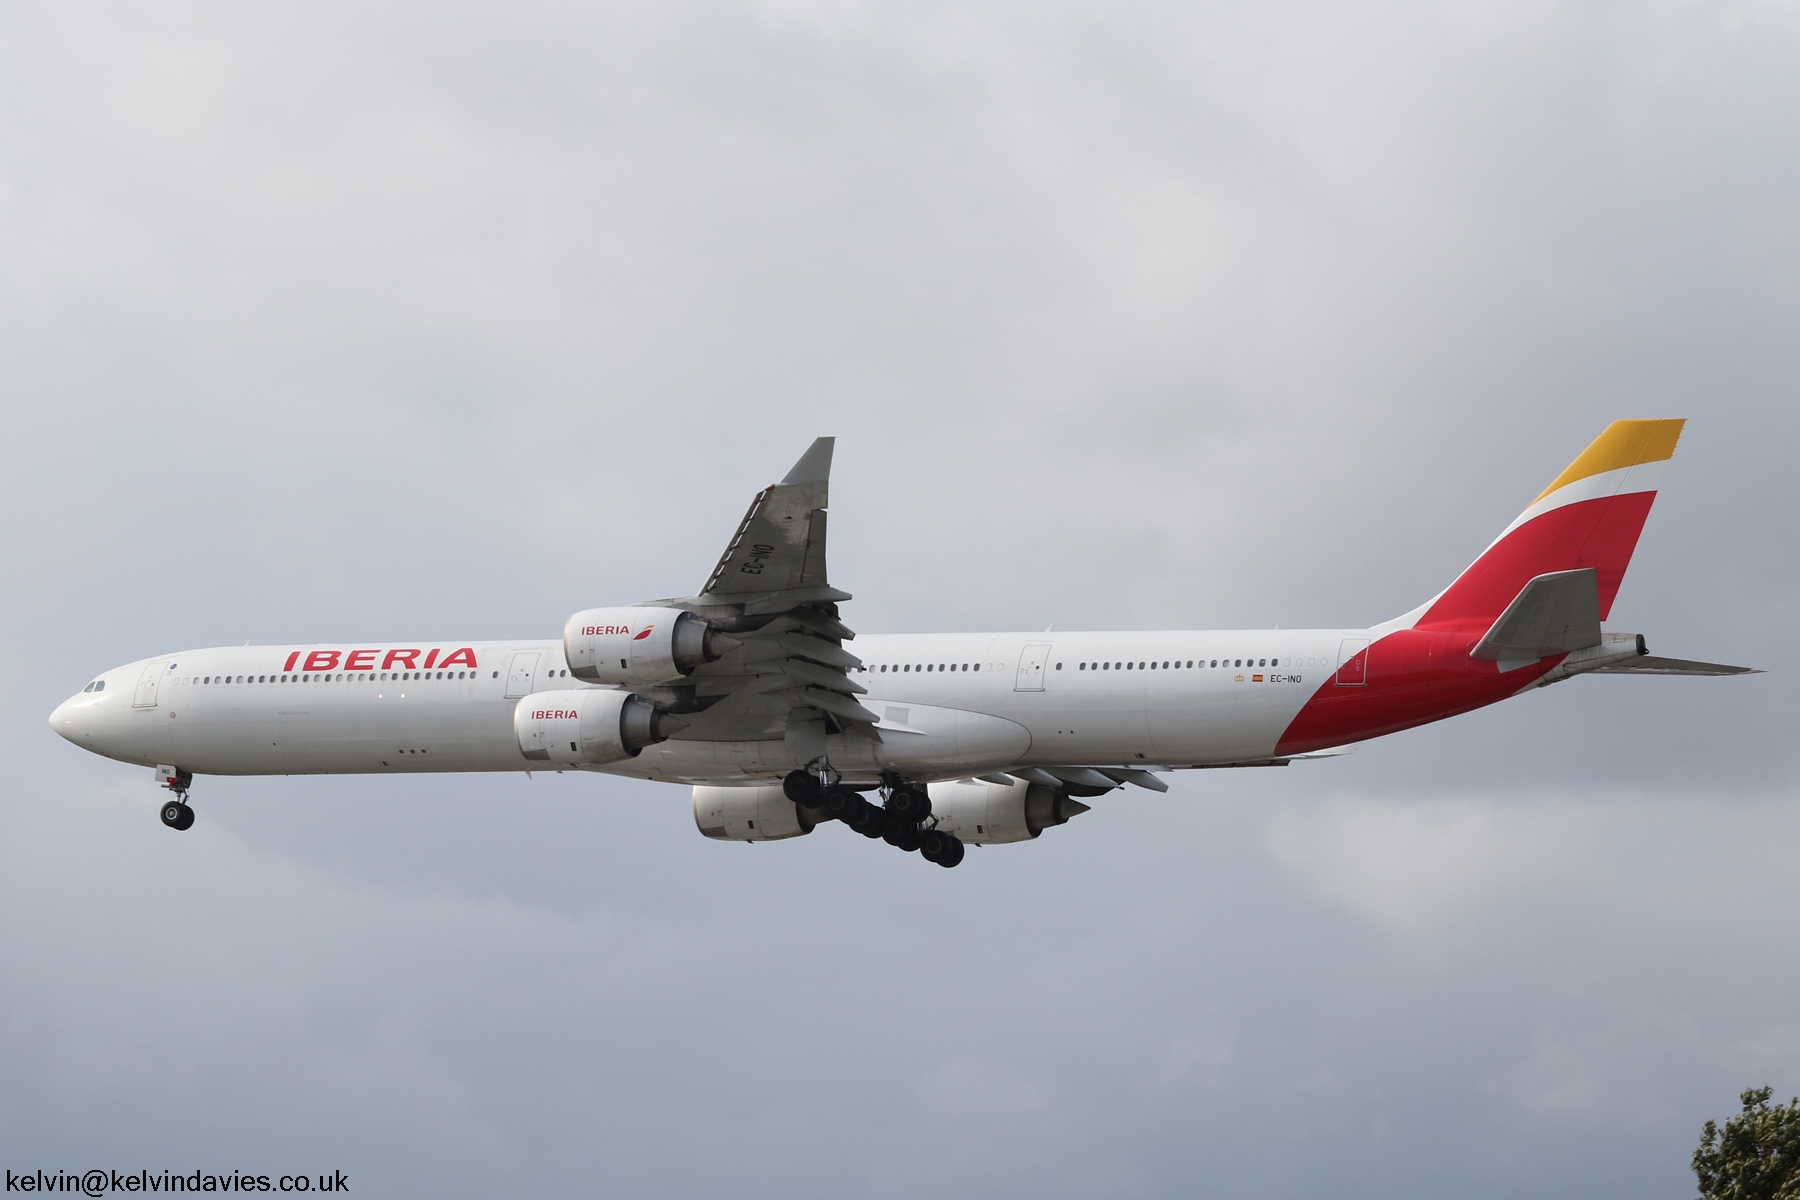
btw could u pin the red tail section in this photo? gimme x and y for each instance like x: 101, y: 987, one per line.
x: 1590, y: 516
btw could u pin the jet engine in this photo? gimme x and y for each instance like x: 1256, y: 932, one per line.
x: 749, y: 814
x: 639, y: 646
x: 978, y: 811
x: 582, y: 728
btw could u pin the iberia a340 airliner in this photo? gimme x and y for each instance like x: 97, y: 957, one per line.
x: 747, y: 691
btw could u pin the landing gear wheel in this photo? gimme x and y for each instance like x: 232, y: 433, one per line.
x: 870, y: 821
x: 909, y: 802
x: 177, y: 815
x: 801, y: 788
x: 946, y: 850
x: 906, y: 840
x: 840, y: 802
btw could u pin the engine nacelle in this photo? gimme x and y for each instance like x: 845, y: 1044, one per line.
x: 639, y: 646
x: 581, y: 728
x: 976, y: 811
x: 749, y: 814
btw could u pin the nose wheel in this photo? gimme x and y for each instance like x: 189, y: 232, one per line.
x: 175, y: 813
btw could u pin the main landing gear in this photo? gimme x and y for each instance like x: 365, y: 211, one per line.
x: 175, y: 813
x: 904, y: 822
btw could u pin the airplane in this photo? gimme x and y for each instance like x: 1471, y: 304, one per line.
x: 747, y: 691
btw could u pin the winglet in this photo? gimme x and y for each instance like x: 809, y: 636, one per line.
x: 815, y: 465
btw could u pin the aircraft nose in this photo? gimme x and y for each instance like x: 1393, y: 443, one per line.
x: 66, y: 720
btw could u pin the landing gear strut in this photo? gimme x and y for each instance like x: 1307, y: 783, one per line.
x: 175, y: 813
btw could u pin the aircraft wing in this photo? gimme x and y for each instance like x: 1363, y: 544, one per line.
x: 776, y: 559
x: 771, y: 592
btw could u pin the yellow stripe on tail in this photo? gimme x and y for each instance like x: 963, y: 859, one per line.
x: 1621, y: 444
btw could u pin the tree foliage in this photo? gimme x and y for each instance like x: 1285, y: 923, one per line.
x: 1756, y: 1157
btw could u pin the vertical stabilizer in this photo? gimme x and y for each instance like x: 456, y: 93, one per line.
x: 1589, y: 518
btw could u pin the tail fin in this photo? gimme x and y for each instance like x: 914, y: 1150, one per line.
x: 1589, y: 517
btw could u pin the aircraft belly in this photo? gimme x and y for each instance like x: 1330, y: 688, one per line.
x: 347, y: 735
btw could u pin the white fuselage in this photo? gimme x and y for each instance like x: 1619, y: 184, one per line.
x: 951, y: 705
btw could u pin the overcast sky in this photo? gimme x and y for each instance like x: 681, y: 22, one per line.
x: 386, y: 320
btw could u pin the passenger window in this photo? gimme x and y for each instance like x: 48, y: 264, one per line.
x: 1059, y: 666
x: 1274, y: 662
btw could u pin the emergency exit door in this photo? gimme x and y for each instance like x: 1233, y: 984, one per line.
x: 147, y: 684
x: 1353, y: 662
x: 1031, y: 669
x: 521, y: 677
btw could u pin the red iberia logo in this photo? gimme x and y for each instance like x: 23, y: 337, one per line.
x: 365, y: 660
x: 640, y: 637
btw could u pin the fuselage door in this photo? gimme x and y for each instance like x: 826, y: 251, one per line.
x: 1353, y: 662
x: 521, y: 677
x: 145, y: 696
x: 1031, y: 669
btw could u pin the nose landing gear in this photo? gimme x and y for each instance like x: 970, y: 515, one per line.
x: 175, y: 813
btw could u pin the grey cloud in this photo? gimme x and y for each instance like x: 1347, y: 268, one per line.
x: 353, y: 321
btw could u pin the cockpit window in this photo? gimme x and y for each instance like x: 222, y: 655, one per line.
x: 99, y: 685
x: 88, y: 688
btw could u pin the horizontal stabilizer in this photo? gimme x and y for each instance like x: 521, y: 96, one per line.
x: 1554, y: 613
x: 1649, y: 664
